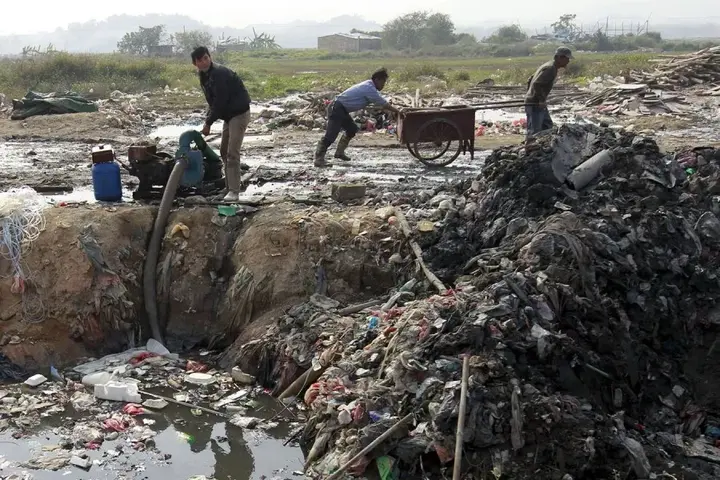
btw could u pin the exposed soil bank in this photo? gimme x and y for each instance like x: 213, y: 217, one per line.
x: 215, y: 275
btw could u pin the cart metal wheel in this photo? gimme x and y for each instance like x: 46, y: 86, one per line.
x: 431, y: 152
x: 410, y: 149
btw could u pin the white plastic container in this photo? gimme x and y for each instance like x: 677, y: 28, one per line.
x: 200, y: 378
x: 118, y: 392
x: 36, y: 380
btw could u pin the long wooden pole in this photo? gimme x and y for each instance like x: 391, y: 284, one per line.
x: 367, y: 449
x: 457, y: 467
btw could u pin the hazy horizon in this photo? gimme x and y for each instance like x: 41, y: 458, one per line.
x: 51, y: 16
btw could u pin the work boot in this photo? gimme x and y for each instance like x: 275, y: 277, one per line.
x: 341, y: 147
x: 232, y: 179
x: 320, y: 152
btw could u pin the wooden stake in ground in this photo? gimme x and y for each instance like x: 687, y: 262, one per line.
x: 457, y: 466
x: 370, y: 447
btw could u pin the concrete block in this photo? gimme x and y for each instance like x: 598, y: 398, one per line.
x: 348, y: 191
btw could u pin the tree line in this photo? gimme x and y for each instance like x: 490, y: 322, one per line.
x: 423, y: 32
x: 145, y: 39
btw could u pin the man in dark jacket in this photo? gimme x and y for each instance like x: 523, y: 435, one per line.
x: 229, y: 101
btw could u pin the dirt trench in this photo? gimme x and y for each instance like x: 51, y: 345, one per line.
x: 216, y: 277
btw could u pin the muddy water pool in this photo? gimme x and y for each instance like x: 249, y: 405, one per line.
x: 184, y: 446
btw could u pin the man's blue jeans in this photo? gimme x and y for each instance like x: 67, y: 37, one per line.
x: 538, y: 119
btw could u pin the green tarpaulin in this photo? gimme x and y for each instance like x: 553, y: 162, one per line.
x: 35, y: 103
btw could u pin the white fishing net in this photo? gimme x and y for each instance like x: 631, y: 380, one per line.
x: 21, y: 222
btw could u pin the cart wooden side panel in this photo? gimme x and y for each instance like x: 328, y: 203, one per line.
x: 409, y: 126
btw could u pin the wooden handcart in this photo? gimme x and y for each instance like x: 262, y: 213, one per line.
x: 438, y: 136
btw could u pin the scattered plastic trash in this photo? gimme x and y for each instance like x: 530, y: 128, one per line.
x: 186, y: 437
x: 241, y: 377
x: 133, y: 409
x: 155, y: 403
x: 80, y: 462
x: 82, y: 401
x: 242, y: 421
x: 387, y: 467
x: 115, y: 425
x: 193, y: 366
x: 227, y: 210
x: 55, y: 374
x: 141, y: 357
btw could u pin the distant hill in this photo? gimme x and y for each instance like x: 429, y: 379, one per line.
x: 102, y: 36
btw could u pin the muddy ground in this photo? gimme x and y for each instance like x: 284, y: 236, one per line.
x: 231, y: 280
x: 54, y: 150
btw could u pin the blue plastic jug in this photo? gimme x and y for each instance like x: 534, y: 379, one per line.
x: 106, y: 182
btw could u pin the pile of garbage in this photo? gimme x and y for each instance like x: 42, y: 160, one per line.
x: 127, y: 110
x: 585, y: 274
x: 309, y: 111
x: 301, y: 110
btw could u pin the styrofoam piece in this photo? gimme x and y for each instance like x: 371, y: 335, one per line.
x: 118, y: 392
x: 97, y: 378
x: 200, y: 378
x: 36, y: 380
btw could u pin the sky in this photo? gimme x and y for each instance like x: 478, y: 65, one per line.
x: 48, y: 15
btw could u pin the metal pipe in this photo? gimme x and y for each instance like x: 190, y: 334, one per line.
x: 587, y: 171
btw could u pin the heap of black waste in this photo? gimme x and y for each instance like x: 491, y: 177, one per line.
x: 588, y: 305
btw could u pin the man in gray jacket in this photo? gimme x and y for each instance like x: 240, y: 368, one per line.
x: 539, y: 87
x: 229, y: 101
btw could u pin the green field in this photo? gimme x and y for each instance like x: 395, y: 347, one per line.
x: 278, y: 73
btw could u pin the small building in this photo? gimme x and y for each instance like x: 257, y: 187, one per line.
x: 231, y: 47
x: 161, y: 51
x: 349, y: 42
